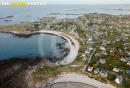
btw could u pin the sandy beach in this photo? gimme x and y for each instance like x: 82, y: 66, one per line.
x: 71, y: 85
x: 74, y: 47
x: 73, y: 80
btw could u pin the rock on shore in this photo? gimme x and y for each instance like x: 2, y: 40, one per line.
x: 13, y: 71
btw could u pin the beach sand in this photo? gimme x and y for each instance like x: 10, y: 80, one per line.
x: 71, y: 85
x: 73, y: 43
x: 73, y: 80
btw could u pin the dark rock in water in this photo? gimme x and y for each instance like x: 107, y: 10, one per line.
x: 54, y: 14
x: 28, y: 15
x: 9, y: 16
x: 7, y: 20
x: 71, y: 14
x: 2, y: 18
x: 24, y: 35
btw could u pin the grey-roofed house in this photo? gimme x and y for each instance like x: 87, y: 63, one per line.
x: 96, y: 70
x: 119, y: 79
x: 103, y: 73
x: 124, y: 59
x: 128, y: 71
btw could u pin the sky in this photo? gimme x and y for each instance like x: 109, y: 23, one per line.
x: 88, y: 1
x: 77, y: 1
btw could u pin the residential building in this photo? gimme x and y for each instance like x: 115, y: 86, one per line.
x: 103, y: 73
x: 102, y: 61
x: 102, y: 48
x: 116, y: 69
x: 96, y: 70
x: 128, y: 71
x: 90, y: 68
x: 124, y: 59
x: 128, y: 63
x: 119, y: 79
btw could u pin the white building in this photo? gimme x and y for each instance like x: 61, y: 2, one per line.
x: 119, y: 79
x: 96, y: 70
x: 128, y: 63
x: 102, y: 61
x: 124, y: 59
x: 116, y: 69
x: 102, y: 48
x: 90, y: 68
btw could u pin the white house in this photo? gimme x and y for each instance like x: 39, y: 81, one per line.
x: 87, y: 52
x: 90, y: 68
x: 102, y: 48
x: 128, y: 53
x: 116, y: 69
x: 119, y: 79
x: 102, y: 61
x: 128, y: 63
x: 84, y: 57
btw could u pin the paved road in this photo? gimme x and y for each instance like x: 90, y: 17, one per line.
x: 84, y: 68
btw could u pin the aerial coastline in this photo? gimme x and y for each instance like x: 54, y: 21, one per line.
x: 74, y: 46
x: 106, y: 36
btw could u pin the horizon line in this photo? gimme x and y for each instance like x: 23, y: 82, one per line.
x: 82, y: 4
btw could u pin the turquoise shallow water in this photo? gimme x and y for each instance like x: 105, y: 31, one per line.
x: 39, y: 45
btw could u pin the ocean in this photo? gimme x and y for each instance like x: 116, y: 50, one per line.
x: 39, y: 45
x: 34, y: 13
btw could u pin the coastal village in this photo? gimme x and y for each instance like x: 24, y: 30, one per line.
x: 104, y: 45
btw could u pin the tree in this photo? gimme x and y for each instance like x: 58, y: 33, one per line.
x: 79, y: 30
x: 111, y: 77
x: 95, y: 65
x: 125, y: 84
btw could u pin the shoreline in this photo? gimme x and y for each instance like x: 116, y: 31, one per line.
x: 71, y: 84
x: 111, y: 28
x: 73, y: 48
x: 74, y: 44
x: 72, y: 78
